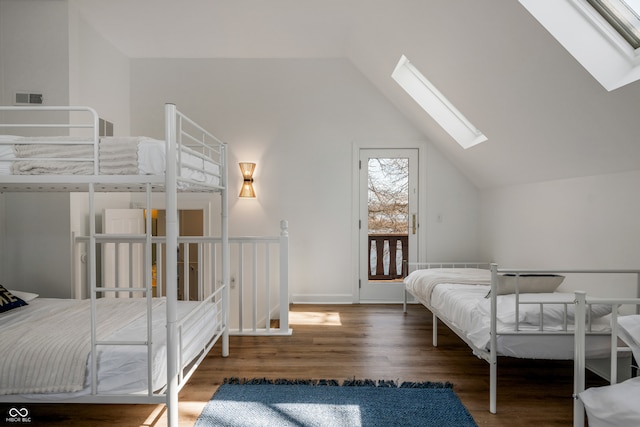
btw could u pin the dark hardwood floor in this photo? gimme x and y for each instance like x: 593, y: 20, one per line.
x: 355, y: 341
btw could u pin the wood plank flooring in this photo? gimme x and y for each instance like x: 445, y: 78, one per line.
x: 354, y: 341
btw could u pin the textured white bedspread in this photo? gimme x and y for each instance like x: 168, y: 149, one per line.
x: 123, y: 369
x: 421, y: 283
x: 41, y: 352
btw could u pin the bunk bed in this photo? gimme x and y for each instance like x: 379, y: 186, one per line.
x: 168, y: 338
x: 615, y: 404
x: 508, y: 312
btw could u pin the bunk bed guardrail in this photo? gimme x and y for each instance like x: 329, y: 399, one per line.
x: 259, y: 268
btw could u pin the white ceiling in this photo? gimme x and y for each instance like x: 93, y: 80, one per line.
x: 546, y: 118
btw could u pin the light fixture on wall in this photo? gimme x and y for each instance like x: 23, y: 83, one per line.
x: 247, y: 174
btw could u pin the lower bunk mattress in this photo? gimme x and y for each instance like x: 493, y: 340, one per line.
x: 462, y: 300
x: 46, y: 346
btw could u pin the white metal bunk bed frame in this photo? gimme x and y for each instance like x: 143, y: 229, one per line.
x: 579, y: 361
x: 490, y: 355
x: 168, y: 182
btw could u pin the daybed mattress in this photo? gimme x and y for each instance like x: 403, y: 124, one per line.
x: 121, y: 369
x: 468, y: 309
x: 117, y: 156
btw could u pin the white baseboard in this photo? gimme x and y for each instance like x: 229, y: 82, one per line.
x: 322, y: 299
x: 334, y: 299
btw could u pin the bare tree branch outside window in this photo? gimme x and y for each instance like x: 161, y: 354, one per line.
x: 388, y: 196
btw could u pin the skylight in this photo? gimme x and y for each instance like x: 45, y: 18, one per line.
x: 436, y: 104
x: 601, y: 34
x: 623, y: 16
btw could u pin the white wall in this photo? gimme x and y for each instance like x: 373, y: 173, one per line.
x: 453, y: 209
x: 34, y: 44
x: 98, y: 73
x: 297, y: 119
x: 37, y: 244
x: 34, y: 51
x: 589, y: 222
x: 48, y: 47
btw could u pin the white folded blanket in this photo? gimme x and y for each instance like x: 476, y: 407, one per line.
x: 117, y: 156
x: 36, y: 154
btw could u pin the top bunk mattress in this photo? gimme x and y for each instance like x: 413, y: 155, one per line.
x: 116, y: 156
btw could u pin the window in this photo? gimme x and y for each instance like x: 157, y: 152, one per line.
x: 622, y: 16
x: 436, y: 104
x: 585, y: 32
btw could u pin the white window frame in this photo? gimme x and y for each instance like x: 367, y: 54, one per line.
x: 434, y: 103
x: 592, y: 41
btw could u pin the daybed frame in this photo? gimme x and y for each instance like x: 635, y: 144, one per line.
x: 491, y: 354
x: 617, y: 347
x: 180, y: 132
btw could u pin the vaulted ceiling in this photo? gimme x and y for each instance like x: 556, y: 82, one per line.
x: 545, y: 117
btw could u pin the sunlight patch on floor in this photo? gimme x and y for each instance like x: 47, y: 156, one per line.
x: 330, y: 318
x: 155, y: 416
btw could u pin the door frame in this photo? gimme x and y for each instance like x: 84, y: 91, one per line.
x: 355, y: 200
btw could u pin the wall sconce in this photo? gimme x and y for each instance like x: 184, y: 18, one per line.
x: 247, y: 174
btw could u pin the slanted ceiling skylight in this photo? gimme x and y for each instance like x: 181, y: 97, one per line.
x: 436, y: 104
x: 603, y: 35
x: 623, y: 16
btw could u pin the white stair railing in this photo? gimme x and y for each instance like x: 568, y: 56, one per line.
x: 260, y: 284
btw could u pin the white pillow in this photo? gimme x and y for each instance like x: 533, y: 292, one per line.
x: 528, y: 283
x: 613, y: 405
x: 24, y: 296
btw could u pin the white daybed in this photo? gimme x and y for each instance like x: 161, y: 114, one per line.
x: 615, y: 404
x: 505, y: 312
x: 166, y: 338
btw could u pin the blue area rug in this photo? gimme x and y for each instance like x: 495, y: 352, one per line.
x: 323, y: 403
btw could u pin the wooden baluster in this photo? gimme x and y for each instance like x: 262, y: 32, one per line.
x: 393, y: 247
x: 380, y: 255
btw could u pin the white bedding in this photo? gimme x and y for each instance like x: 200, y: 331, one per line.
x: 118, y: 156
x: 629, y: 331
x: 613, y: 405
x: 466, y: 307
x: 121, y: 369
x: 617, y: 404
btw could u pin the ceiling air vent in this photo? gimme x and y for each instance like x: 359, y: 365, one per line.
x: 28, y: 98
